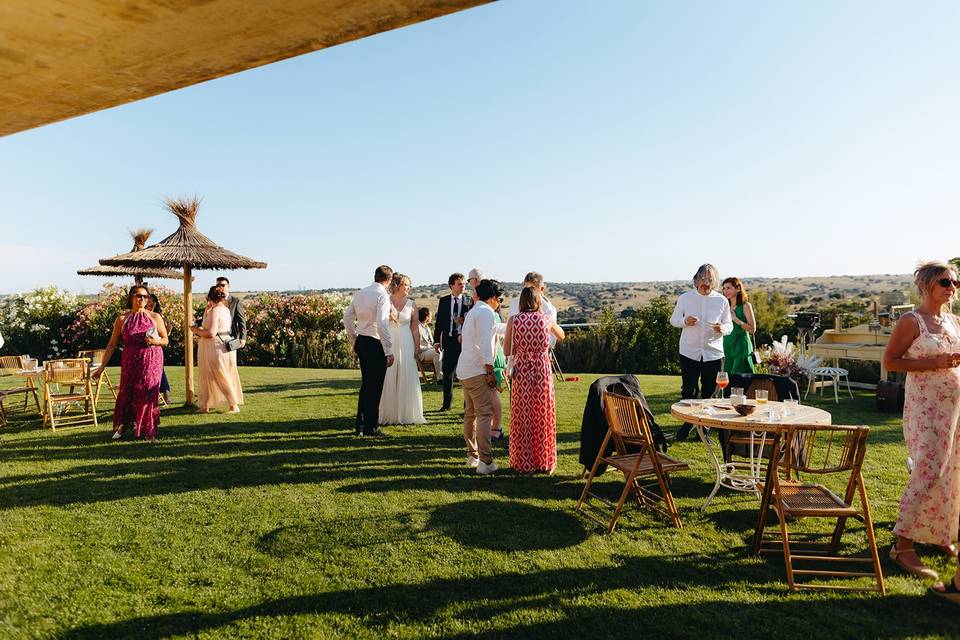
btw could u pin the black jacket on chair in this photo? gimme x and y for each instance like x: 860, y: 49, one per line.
x: 594, y: 427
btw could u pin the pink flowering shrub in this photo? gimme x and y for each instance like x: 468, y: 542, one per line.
x: 296, y: 331
x: 93, y: 322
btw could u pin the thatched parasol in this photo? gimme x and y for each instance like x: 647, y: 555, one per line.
x: 190, y: 249
x: 140, y: 237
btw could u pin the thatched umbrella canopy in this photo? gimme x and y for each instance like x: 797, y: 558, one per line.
x: 189, y: 249
x: 140, y: 237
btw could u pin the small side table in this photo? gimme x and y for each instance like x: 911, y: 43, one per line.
x: 834, y: 374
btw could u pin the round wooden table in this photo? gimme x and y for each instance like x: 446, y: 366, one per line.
x: 754, y: 432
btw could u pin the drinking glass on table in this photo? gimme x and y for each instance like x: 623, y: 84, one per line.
x: 790, y: 406
x: 762, y: 396
x: 722, y: 381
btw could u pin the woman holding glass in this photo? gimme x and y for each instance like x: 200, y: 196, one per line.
x: 926, y: 345
x: 738, y: 345
x: 703, y: 316
x: 144, y: 335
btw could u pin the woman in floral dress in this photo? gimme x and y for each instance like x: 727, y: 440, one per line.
x: 926, y: 345
x: 533, y: 418
x: 141, y: 366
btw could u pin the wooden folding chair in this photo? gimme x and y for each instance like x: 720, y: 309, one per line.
x: 820, y: 450
x: 423, y: 372
x: 72, y: 374
x: 635, y: 455
x: 96, y: 357
x: 8, y: 365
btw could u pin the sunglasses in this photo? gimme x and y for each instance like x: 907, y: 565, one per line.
x: 946, y: 282
x: 141, y: 296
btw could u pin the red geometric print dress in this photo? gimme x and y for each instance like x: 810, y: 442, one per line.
x: 533, y: 420
x: 140, y: 369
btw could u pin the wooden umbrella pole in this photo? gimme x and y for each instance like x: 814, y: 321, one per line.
x: 187, y: 334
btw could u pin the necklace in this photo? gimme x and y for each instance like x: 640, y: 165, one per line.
x: 937, y: 320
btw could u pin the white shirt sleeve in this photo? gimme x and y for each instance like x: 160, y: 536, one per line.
x: 349, y: 322
x: 726, y: 320
x: 383, y: 323
x: 485, y: 330
x: 677, y: 318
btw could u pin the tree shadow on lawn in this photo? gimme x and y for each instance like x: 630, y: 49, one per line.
x: 303, y: 385
x: 182, y: 467
x: 564, y: 596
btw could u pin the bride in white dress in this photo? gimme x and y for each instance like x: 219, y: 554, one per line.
x: 401, y: 401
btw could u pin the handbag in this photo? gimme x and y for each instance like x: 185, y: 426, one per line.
x: 754, y: 357
x: 231, y: 344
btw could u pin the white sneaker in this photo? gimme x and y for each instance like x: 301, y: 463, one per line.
x: 483, y: 468
x: 116, y: 435
x: 472, y: 462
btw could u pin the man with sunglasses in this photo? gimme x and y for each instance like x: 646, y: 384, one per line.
x: 238, y: 315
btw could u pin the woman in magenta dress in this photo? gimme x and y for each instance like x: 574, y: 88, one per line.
x: 141, y: 365
x: 533, y: 418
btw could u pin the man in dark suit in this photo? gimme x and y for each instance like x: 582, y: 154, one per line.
x: 446, y: 332
x: 238, y: 315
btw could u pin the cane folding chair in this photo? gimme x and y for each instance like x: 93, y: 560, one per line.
x: 834, y: 454
x: 96, y: 357
x: 422, y: 368
x: 67, y: 387
x: 636, y: 456
x: 25, y: 386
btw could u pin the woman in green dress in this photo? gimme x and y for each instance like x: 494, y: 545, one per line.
x: 738, y: 346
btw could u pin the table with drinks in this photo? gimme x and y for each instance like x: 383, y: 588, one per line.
x: 751, y: 424
x: 32, y: 373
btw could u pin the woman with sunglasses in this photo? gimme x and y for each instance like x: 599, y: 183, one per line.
x: 926, y: 345
x: 144, y: 335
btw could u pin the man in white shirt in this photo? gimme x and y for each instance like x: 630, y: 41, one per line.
x: 703, y: 316
x: 367, y: 321
x: 535, y: 280
x: 425, y: 350
x: 475, y: 372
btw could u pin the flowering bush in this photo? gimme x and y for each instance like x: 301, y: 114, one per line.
x: 33, y: 322
x: 292, y: 331
x: 93, y: 322
x: 297, y: 331
x: 783, y: 359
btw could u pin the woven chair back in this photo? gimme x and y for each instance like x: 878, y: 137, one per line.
x: 69, y: 371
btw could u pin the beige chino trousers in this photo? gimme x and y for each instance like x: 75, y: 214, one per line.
x: 478, y: 417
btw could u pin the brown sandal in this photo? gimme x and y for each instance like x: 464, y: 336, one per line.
x: 950, y: 592
x: 921, y: 570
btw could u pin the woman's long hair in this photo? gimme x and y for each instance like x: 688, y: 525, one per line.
x: 741, y: 292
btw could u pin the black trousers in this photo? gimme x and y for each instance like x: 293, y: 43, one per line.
x: 451, y: 356
x: 697, y: 375
x: 373, y: 370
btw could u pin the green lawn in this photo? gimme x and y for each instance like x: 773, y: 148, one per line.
x: 278, y: 523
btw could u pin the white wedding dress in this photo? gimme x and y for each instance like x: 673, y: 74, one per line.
x: 401, y: 401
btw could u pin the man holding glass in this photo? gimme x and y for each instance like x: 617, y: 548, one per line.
x: 703, y: 316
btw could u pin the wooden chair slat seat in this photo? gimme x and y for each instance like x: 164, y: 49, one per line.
x: 635, y: 455
x: 818, y: 450
x: 8, y: 365
x: 72, y: 373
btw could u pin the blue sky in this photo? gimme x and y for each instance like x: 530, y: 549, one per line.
x: 610, y: 141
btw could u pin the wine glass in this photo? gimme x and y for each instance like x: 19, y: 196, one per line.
x: 722, y: 381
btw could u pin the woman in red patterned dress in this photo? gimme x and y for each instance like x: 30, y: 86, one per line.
x: 533, y: 418
x: 141, y: 365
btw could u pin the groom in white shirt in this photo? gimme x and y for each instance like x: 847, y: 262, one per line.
x: 367, y: 321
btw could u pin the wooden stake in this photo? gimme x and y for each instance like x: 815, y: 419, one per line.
x: 187, y: 334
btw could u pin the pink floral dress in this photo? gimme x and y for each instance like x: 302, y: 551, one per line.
x: 140, y: 369
x: 930, y: 506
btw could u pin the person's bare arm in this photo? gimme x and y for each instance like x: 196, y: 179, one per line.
x: 508, y: 338
x: 111, y: 346
x: 750, y: 326
x: 162, y: 338
x: 415, y: 328
x: 557, y: 331
x: 904, y: 333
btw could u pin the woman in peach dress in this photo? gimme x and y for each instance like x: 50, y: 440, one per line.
x: 216, y: 366
x: 926, y: 345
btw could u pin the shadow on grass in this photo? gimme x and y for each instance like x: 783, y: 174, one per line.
x: 519, y: 526
x: 563, y: 602
x: 303, y: 385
